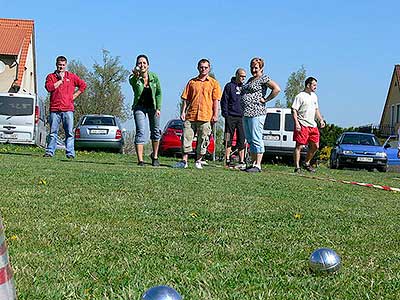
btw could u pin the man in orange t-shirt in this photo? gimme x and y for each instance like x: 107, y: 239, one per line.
x: 200, y: 101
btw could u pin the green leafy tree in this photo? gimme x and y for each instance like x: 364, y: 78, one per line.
x: 178, y: 108
x: 329, y: 135
x: 103, y: 94
x: 278, y: 103
x: 294, y: 85
x: 83, y: 102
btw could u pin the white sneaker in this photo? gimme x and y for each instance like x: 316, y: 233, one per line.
x: 181, y: 164
x: 204, y: 163
x: 198, y: 164
x: 241, y: 166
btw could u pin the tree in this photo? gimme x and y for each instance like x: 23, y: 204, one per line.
x: 178, y: 108
x: 294, y: 85
x: 83, y: 102
x: 329, y: 135
x: 103, y: 94
x: 278, y: 103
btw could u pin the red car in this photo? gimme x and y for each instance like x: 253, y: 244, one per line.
x: 171, y: 144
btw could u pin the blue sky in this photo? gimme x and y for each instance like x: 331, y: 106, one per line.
x: 349, y: 46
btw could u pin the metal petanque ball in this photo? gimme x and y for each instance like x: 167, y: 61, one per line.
x: 161, y: 292
x: 324, y: 260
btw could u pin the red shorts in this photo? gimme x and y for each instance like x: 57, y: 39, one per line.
x: 306, y: 135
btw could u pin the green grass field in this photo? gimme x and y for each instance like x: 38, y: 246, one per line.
x: 99, y: 227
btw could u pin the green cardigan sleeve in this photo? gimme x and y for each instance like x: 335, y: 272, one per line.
x: 158, y: 94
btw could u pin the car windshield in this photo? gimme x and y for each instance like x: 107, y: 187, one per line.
x: 103, y: 121
x: 176, y: 124
x: 360, y: 139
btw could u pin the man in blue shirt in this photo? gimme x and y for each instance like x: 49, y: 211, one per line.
x: 232, y: 112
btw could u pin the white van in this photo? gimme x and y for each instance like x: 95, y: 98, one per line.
x: 278, y: 133
x: 22, y: 119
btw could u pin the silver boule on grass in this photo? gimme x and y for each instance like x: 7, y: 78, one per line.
x: 161, y: 292
x: 325, y: 261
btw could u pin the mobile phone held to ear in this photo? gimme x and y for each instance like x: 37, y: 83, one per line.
x: 58, y: 75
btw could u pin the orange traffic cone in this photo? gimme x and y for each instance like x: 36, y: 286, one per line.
x: 7, y: 287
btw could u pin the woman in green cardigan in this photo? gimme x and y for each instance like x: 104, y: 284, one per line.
x: 147, y: 92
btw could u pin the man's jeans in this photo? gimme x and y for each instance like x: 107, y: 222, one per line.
x: 67, y: 118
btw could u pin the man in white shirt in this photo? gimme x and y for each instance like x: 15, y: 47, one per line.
x: 305, y: 110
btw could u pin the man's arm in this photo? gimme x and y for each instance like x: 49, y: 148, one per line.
x: 76, y: 94
x: 215, y: 111
x: 183, y: 110
x: 224, y: 102
x: 319, y: 118
x: 80, y: 84
x: 51, y: 84
x: 296, y: 119
x: 216, y: 96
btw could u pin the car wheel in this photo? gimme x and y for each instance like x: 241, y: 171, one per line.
x: 337, y: 164
x: 382, y: 168
x: 331, y: 163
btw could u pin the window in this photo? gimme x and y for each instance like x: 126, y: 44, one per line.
x: 175, y: 124
x: 105, y: 121
x: 272, y: 121
x: 16, y: 106
x: 360, y: 139
x: 397, y: 113
x: 392, y: 116
x: 289, y: 123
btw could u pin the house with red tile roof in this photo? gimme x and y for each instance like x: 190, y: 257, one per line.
x: 17, y: 56
x: 390, y: 119
x: 22, y: 113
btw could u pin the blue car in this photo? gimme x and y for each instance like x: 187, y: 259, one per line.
x: 358, y: 150
x: 391, y: 150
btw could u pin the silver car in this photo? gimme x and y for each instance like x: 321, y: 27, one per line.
x: 99, y: 132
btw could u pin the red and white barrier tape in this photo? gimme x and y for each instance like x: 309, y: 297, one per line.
x: 381, y: 187
x: 7, y: 287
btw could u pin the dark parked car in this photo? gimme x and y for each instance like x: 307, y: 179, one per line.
x: 360, y: 150
x: 170, y: 143
x: 99, y: 132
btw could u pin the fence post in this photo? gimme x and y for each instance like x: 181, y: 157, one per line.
x: 7, y: 287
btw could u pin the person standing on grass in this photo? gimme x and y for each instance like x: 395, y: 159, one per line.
x: 200, y: 100
x: 147, y: 101
x: 233, y: 114
x: 64, y: 87
x: 305, y: 111
x: 253, y: 101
